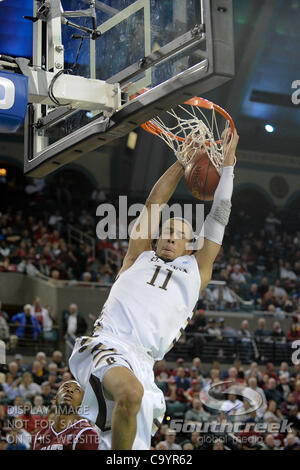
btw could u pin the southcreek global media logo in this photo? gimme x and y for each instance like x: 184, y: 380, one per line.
x: 235, y: 399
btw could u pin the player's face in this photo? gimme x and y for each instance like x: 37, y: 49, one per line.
x: 173, y: 241
x: 70, y: 393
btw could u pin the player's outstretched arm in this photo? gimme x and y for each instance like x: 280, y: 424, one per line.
x: 147, y: 224
x: 218, y: 217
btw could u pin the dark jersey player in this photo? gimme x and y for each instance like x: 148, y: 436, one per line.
x: 69, y: 431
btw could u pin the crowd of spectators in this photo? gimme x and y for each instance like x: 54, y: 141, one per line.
x: 252, y: 340
x: 260, y: 267
x: 31, y: 328
x: 191, y: 422
x: 261, y: 271
x: 37, y: 246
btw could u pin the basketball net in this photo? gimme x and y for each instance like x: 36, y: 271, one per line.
x: 191, y: 131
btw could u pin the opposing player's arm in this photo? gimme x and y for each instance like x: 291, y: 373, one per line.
x: 146, y: 226
x: 217, y: 219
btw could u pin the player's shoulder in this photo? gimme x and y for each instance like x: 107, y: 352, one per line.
x: 86, y: 438
x: 82, y: 423
x: 43, y: 435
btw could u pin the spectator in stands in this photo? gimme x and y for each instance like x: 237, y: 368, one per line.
x: 3, y: 314
x: 42, y: 358
x: 27, y: 266
x: 38, y: 407
x: 254, y: 372
x: 161, y: 446
x: 284, y: 370
x: 52, y: 368
x: 269, y: 443
x: 196, y: 385
x: 254, y: 295
x: 291, y: 442
x: 17, y: 408
x: 14, y: 443
x: 236, y: 276
x: 30, y: 421
x: 4, y: 330
x: 245, y: 341
x: 231, y: 406
x: 195, y: 440
x: 297, y: 392
x: 38, y: 373
x: 28, y: 389
x: 224, y: 297
x: 289, y: 409
x: 284, y: 387
x: 263, y: 286
x: 170, y: 440
x: 74, y: 324
x: 270, y: 371
x: 46, y: 394
x: 271, y: 223
x: 19, y: 361
x: 14, y: 370
x: 279, y: 291
x: 196, y: 414
x: 5, y: 421
x: 180, y: 379
x: 3, y: 443
x: 55, y: 274
x: 252, y: 383
x: 197, y: 363
x: 272, y: 393
x: 10, y: 387
x: 162, y: 375
x: 23, y: 436
x: 41, y: 314
x: 263, y: 339
x: 54, y: 382
x: 175, y: 393
x: 272, y: 413
x: 218, y: 445
x: 229, y: 337
x: 287, y: 273
x: 57, y: 359
x: 293, y: 333
x: 261, y: 331
x: 279, y: 338
x: 55, y: 219
x: 28, y: 326
x: 66, y: 376
x: 4, y: 249
x: 193, y: 373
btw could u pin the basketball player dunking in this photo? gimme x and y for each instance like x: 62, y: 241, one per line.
x: 148, y: 307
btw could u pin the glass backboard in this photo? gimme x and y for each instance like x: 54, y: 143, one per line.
x: 164, y: 46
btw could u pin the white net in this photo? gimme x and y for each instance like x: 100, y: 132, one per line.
x: 192, y: 131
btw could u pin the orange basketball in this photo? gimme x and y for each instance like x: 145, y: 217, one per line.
x: 201, y: 176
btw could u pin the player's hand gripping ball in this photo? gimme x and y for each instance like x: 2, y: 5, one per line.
x: 201, y: 176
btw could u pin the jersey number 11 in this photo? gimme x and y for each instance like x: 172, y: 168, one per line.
x: 168, y: 277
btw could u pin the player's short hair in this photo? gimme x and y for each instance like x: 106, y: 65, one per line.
x: 192, y: 239
x: 184, y: 221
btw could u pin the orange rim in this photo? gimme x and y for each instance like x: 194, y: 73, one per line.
x: 149, y: 126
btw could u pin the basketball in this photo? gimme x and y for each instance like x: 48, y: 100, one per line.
x: 201, y: 176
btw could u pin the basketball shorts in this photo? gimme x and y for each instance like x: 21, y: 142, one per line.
x: 91, y: 358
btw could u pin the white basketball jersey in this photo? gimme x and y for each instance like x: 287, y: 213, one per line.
x: 152, y: 301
